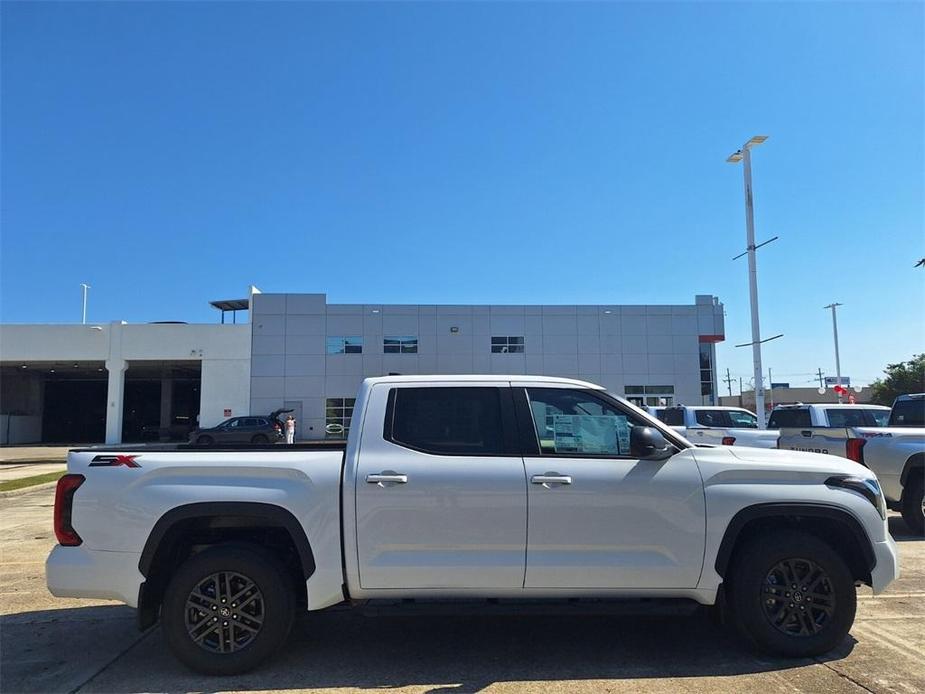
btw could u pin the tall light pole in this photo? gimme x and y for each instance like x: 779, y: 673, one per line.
x: 833, y: 306
x: 84, y: 313
x: 744, y: 155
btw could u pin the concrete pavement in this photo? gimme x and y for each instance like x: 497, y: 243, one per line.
x: 53, y: 645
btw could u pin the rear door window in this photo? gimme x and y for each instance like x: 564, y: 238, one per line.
x: 781, y: 419
x: 448, y: 421
x: 711, y: 418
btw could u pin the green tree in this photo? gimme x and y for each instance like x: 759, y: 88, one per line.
x: 904, y: 377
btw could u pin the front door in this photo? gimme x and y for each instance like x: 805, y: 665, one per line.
x: 441, y: 497
x: 599, y: 518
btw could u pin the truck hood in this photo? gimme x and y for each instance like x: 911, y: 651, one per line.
x: 744, y: 462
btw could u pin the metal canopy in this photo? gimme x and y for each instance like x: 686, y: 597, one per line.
x: 233, y: 305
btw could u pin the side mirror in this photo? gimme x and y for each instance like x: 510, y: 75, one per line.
x: 647, y: 443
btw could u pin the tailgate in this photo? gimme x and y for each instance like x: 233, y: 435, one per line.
x: 829, y: 440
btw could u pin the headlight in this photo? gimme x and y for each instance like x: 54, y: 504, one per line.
x: 868, y: 488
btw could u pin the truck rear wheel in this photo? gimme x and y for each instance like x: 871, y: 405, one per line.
x: 913, y: 504
x: 228, y: 609
x: 792, y: 594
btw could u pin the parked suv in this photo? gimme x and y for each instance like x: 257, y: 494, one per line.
x: 240, y: 430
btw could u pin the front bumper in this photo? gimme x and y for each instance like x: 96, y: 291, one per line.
x: 77, y: 572
x: 886, y: 570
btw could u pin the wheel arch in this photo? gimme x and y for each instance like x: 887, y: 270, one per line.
x: 916, y: 462
x: 830, y: 523
x: 176, y: 534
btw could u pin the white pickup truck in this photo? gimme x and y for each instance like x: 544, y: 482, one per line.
x: 726, y: 426
x: 469, y: 487
x: 828, y: 415
x: 896, y: 452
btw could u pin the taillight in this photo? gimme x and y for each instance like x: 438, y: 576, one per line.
x: 64, y: 504
x: 277, y: 427
x: 854, y: 450
x: 729, y: 440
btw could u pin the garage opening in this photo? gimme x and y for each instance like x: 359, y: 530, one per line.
x: 161, y: 400
x: 53, y: 402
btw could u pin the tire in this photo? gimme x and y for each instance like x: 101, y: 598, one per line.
x: 266, y: 615
x: 760, y: 596
x: 260, y: 438
x: 913, y: 506
x: 205, y: 440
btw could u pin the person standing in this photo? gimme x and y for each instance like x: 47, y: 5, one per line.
x: 290, y: 429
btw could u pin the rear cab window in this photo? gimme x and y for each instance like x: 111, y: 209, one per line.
x: 908, y: 413
x: 789, y: 418
x: 672, y: 416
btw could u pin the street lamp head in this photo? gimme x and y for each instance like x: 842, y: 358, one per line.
x: 757, y: 140
x: 735, y: 157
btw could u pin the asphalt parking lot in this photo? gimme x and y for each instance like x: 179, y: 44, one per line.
x: 54, y: 645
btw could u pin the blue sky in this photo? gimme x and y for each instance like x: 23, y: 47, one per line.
x: 173, y: 153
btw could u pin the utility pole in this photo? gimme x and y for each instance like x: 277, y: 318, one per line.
x: 833, y: 306
x: 821, y: 379
x: 84, y: 313
x: 728, y: 382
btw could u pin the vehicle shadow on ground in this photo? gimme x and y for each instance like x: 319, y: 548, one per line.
x: 444, y: 654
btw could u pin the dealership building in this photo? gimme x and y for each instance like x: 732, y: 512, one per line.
x: 123, y: 382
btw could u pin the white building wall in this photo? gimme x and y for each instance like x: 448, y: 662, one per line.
x: 225, y: 386
x: 615, y: 346
x: 223, y: 350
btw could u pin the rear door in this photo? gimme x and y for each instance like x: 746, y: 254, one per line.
x: 599, y: 518
x: 441, y: 498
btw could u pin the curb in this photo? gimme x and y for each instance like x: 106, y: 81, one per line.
x: 34, y: 461
x: 32, y: 488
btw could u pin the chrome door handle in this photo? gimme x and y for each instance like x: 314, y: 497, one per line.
x: 551, y: 479
x: 383, y: 478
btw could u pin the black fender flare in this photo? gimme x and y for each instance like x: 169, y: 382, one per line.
x: 791, y: 510
x: 916, y: 462
x: 216, y: 511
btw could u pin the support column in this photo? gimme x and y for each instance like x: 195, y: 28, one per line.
x: 115, y: 396
x: 166, y: 408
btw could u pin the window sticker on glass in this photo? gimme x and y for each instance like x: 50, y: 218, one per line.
x: 592, y: 434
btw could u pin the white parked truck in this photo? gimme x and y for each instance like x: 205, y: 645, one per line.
x: 469, y: 487
x: 726, y: 426
x: 896, y: 453
x: 828, y: 415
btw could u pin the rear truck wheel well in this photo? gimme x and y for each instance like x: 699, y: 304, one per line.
x: 834, y: 526
x: 915, y: 463
x: 189, y: 529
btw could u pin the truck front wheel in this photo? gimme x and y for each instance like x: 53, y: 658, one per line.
x: 792, y: 594
x: 227, y: 609
x: 913, y: 503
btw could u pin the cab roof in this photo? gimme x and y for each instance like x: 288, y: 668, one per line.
x: 482, y: 378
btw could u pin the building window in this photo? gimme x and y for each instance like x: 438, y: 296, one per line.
x: 337, y: 415
x: 706, y: 373
x: 654, y: 396
x: 507, y: 345
x: 393, y: 344
x: 345, y: 345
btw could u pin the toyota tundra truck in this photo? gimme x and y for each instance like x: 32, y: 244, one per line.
x: 896, y: 452
x: 727, y: 426
x: 448, y: 487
